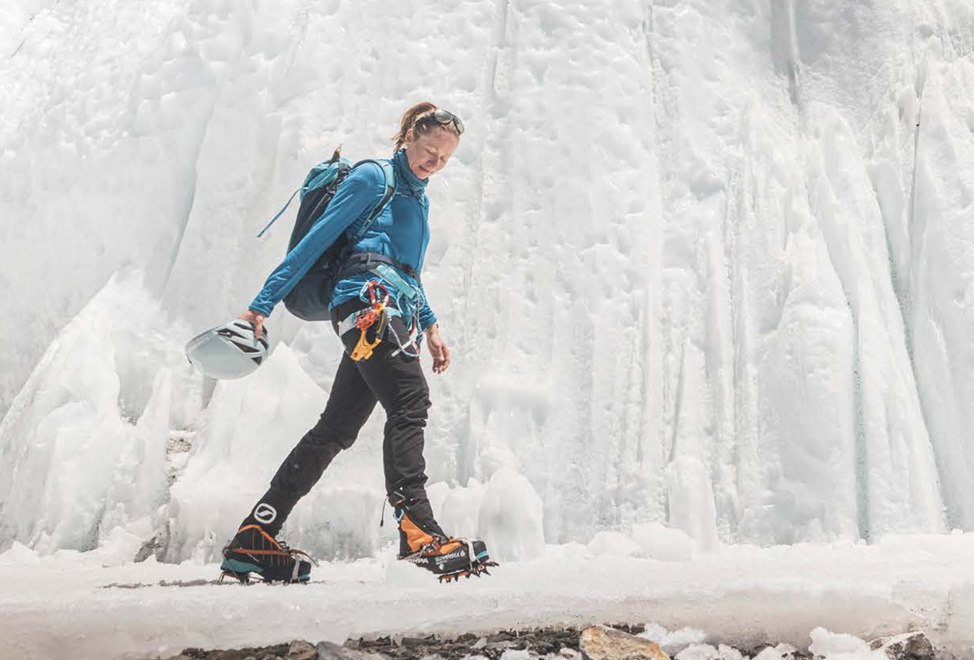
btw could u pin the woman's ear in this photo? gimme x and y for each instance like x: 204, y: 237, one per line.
x: 408, y: 137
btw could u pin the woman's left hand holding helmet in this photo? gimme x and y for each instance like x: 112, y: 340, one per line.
x: 438, y: 349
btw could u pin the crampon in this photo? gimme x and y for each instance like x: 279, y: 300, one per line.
x: 454, y: 559
x: 477, y: 570
x: 254, y: 554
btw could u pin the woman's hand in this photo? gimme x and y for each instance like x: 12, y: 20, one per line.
x: 438, y: 349
x: 257, y: 319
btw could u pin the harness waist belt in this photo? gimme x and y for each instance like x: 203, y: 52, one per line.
x: 360, y: 262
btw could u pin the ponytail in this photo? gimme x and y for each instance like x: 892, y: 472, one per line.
x: 409, y: 119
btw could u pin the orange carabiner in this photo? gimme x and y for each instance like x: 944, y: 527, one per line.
x: 366, y: 319
x: 363, y: 350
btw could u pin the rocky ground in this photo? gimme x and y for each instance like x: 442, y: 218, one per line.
x: 595, y: 643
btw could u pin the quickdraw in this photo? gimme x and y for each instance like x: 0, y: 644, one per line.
x: 365, y: 319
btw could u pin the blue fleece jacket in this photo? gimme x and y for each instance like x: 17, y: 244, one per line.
x: 401, y: 232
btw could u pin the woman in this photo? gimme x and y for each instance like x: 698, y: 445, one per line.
x: 380, y: 362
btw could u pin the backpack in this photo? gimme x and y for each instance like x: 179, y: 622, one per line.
x: 310, y: 298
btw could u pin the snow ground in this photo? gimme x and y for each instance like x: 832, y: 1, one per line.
x: 736, y: 595
x: 707, y: 263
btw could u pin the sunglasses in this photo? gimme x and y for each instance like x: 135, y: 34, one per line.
x: 445, y: 118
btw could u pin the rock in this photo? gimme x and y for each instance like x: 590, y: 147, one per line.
x: 418, y: 641
x: 500, y: 647
x: 275, y: 652
x: 147, y: 550
x: 330, y: 651
x: 569, y: 654
x: 301, y: 650
x: 910, y: 646
x: 604, y: 643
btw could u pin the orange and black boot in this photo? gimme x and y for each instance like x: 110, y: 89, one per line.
x: 423, y: 543
x: 254, y: 551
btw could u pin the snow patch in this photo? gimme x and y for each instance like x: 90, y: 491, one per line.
x: 676, y: 641
x: 657, y: 541
x: 691, y: 501
x: 840, y: 646
x: 511, y: 518
x: 614, y: 544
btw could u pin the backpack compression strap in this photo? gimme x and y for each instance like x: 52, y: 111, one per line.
x: 279, y: 213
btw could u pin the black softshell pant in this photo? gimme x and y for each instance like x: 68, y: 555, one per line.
x: 398, y: 383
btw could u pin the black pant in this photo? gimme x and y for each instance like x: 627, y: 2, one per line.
x: 398, y: 383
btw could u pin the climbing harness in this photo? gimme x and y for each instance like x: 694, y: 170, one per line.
x: 380, y: 310
x: 411, y: 296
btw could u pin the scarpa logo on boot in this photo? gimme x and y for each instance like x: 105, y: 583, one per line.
x: 265, y: 513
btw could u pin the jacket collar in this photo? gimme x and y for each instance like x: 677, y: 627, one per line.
x: 416, y: 185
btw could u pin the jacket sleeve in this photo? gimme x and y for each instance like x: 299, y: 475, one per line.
x: 426, y: 316
x: 358, y: 194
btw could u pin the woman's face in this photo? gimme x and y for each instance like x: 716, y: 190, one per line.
x: 429, y: 153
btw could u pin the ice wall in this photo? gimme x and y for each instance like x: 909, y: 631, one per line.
x: 702, y: 263
x: 85, y: 446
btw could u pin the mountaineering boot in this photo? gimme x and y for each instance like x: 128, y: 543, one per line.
x: 252, y: 550
x: 423, y: 543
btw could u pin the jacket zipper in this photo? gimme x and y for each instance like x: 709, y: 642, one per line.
x: 425, y: 220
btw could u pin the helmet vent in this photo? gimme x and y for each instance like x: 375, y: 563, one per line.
x: 227, y: 332
x: 228, y: 351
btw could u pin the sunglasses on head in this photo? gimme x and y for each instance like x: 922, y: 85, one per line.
x: 445, y: 118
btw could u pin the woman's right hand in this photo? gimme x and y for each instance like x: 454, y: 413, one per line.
x: 256, y: 319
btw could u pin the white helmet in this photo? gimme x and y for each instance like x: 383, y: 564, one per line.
x: 228, y: 351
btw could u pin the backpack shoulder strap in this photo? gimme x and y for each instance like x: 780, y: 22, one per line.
x: 390, y: 180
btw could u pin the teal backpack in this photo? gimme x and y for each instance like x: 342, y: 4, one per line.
x: 310, y: 298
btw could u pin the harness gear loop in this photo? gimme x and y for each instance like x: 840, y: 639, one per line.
x: 365, y: 319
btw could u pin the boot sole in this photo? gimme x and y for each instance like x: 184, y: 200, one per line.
x: 242, y: 571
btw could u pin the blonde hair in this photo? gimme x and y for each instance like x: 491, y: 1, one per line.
x: 413, y: 119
